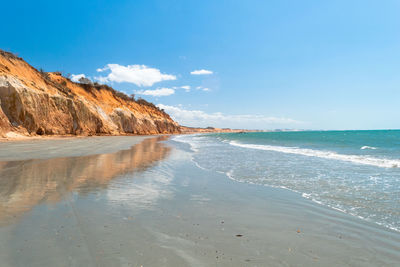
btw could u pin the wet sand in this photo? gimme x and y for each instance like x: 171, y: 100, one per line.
x: 139, y: 201
x: 55, y: 147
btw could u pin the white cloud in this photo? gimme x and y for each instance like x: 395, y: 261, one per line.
x: 140, y: 75
x: 186, y: 87
x: 201, y: 72
x: 203, y: 88
x: 76, y: 77
x: 157, y: 92
x: 198, y: 118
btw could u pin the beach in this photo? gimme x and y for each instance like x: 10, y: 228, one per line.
x: 146, y: 201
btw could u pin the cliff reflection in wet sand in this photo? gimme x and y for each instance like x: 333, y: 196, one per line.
x: 24, y: 184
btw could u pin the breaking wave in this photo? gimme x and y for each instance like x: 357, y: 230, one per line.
x: 365, y: 160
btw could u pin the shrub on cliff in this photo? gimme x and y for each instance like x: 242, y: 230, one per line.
x: 144, y: 102
x: 84, y: 80
x: 8, y: 54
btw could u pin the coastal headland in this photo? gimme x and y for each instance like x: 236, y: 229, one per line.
x: 35, y: 103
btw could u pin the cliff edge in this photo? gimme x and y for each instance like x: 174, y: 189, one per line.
x: 34, y: 103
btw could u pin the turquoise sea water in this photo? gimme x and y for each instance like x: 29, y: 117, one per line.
x: 356, y: 172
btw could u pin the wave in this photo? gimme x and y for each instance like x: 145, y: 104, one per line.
x: 368, y: 147
x: 309, y: 196
x: 197, y: 143
x: 384, y: 163
x: 346, y: 211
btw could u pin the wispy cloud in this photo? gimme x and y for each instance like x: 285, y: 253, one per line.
x: 201, y: 72
x: 157, y: 92
x: 217, y: 119
x: 203, y: 88
x: 76, y: 77
x: 139, y: 75
x: 186, y: 87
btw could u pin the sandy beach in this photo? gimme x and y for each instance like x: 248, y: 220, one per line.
x: 142, y: 201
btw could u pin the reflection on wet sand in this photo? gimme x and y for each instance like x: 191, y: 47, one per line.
x: 24, y: 184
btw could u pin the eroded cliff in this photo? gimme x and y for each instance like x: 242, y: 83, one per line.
x: 34, y: 102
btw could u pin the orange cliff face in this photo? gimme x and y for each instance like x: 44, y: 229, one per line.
x: 38, y: 103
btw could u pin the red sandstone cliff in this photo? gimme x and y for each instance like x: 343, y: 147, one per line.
x: 39, y: 103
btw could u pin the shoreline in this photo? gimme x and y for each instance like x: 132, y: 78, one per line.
x: 104, y: 207
x: 319, y: 204
x: 63, y: 137
x: 305, y: 197
x: 37, y: 139
x: 65, y: 147
x: 15, y: 137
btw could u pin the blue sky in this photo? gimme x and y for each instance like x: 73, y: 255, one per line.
x: 275, y: 64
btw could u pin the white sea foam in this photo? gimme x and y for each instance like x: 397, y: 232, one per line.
x: 230, y: 174
x: 368, y: 147
x: 196, y: 143
x: 378, y: 162
x: 343, y: 210
x: 186, y: 139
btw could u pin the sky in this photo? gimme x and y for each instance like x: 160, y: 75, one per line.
x: 241, y: 64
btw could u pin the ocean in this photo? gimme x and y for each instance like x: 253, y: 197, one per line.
x: 355, y: 172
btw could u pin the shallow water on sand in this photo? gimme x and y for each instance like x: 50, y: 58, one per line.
x: 356, y: 172
x: 149, y: 204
